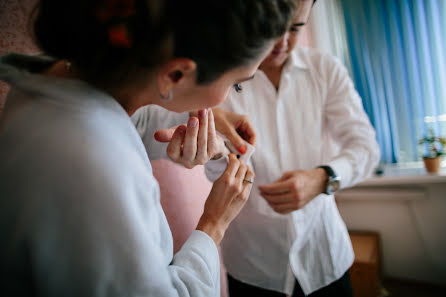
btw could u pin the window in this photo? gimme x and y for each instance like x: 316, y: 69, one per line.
x: 398, y: 61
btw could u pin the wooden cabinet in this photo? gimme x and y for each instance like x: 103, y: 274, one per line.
x: 365, y: 271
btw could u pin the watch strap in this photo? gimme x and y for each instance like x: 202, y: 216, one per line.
x: 330, y: 172
x: 331, y: 177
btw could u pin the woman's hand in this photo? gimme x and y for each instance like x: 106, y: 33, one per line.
x: 227, y: 197
x: 194, y: 144
x: 294, y: 189
x: 235, y: 127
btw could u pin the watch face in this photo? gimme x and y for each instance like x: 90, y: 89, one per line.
x: 333, y: 186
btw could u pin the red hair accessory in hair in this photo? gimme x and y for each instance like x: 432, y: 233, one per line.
x: 118, y: 34
x: 115, y: 8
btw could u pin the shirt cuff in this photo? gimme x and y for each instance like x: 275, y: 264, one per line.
x: 343, y: 170
x: 201, y: 243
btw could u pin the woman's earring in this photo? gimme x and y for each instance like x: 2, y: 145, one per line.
x: 168, y: 97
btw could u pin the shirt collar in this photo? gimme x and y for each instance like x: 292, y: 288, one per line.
x: 295, y: 60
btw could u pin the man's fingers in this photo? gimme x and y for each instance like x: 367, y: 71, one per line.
x: 279, y: 199
x: 277, y: 187
x: 284, y: 208
x: 174, y: 147
x: 164, y: 135
x: 285, y: 176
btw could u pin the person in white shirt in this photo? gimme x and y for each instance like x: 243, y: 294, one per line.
x: 79, y: 209
x: 289, y: 239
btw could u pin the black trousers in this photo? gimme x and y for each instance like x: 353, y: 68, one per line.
x: 340, y: 288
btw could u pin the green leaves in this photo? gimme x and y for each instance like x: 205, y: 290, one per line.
x: 435, y: 144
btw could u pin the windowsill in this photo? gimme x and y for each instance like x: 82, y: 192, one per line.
x: 405, y: 174
x: 400, y: 182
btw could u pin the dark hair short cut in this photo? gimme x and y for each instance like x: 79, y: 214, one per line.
x: 220, y: 35
x: 217, y: 35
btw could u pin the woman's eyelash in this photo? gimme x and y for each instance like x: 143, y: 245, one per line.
x: 238, y: 88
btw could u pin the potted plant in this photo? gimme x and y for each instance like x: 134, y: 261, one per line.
x: 435, y: 149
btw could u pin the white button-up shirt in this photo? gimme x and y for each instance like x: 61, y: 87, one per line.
x: 314, y: 118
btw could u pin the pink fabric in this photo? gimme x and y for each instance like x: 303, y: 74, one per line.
x: 183, y: 194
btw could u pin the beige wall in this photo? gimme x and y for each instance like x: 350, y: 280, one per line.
x: 409, y: 214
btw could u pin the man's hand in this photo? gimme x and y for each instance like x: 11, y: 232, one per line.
x: 294, y: 189
x: 235, y: 127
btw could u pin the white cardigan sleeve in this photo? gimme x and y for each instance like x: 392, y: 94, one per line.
x: 151, y: 118
x: 105, y: 238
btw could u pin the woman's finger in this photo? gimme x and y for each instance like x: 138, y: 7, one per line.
x: 236, y: 139
x: 241, y: 175
x: 249, y: 133
x: 212, y: 135
x: 232, y: 168
x: 247, y: 186
x: 190, y: 142
x: 164, y: 135
x: 174, y: 147
x: 202, y: 142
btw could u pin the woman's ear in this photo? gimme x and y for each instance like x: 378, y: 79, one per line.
x: 174, y: 72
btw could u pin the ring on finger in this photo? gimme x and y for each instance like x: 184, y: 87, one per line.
x: 248, y: 180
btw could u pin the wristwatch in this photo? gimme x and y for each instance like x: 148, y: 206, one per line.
x: 334, y: 181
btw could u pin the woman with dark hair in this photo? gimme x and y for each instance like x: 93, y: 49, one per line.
x: 80, y: 212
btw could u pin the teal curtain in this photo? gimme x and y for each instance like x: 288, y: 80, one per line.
x: 397, y: 50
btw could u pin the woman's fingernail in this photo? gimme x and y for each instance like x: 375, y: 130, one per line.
x: 181, y: 129
x: 202, y: 113
x: 193, y: 122
x: 242, y: 149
